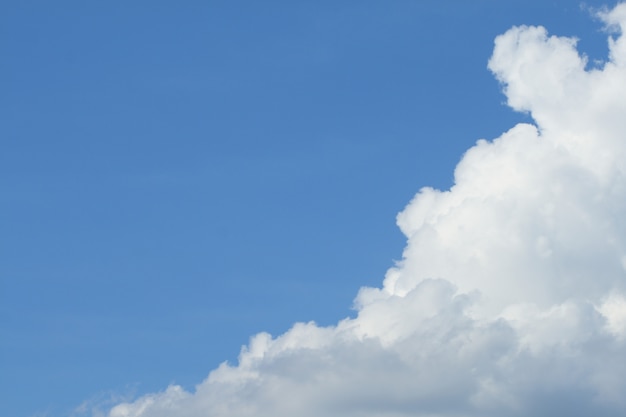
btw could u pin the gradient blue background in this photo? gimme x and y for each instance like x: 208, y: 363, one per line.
x: 177, y: 176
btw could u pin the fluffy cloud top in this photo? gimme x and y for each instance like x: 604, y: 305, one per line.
x: 510, y: 299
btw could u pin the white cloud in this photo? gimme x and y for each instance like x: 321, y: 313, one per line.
x: 510, y: 298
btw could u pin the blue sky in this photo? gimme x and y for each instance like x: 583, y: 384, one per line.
x: 178, y: 177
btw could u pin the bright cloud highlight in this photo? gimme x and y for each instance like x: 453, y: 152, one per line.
x: 510, y: 299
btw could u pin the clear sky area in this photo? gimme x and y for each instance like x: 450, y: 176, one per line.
x: 177, y: 177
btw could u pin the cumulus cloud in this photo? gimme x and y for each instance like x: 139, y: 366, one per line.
x: 510, y: 299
